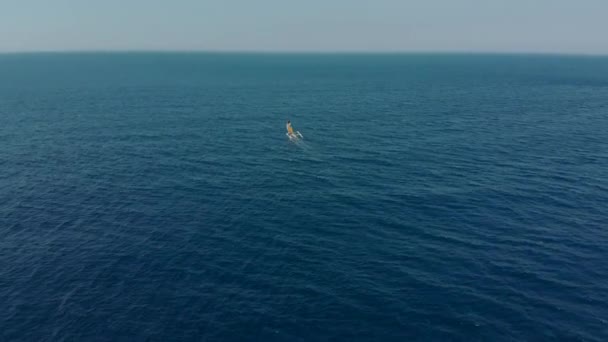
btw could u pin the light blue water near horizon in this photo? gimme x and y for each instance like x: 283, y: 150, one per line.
x: 155, y: 197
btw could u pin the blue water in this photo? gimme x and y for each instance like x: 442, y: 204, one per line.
x: 155, y: 197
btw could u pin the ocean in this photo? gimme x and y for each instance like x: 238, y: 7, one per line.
x: 434, y: 197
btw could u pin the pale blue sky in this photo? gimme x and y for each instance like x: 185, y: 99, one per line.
x: 563, y: 26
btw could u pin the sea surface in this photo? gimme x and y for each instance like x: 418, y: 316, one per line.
x: 155, y: 197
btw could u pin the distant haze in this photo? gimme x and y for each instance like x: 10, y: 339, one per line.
x: 560, y: 26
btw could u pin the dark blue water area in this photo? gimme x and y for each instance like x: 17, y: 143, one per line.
x: 155, y: 197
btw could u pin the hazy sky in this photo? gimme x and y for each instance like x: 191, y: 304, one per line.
x: 306, y: 25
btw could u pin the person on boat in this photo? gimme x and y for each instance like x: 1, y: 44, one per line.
x: 289, y: 128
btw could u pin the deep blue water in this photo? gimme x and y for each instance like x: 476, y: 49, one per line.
x: 155, y: 197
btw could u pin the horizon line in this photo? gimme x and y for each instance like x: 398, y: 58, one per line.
x: 309, y: 52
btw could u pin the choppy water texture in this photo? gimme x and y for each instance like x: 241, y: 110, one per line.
x: 155, y: 197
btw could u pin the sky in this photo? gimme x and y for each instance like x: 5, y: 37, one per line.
x: 544, y: 26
